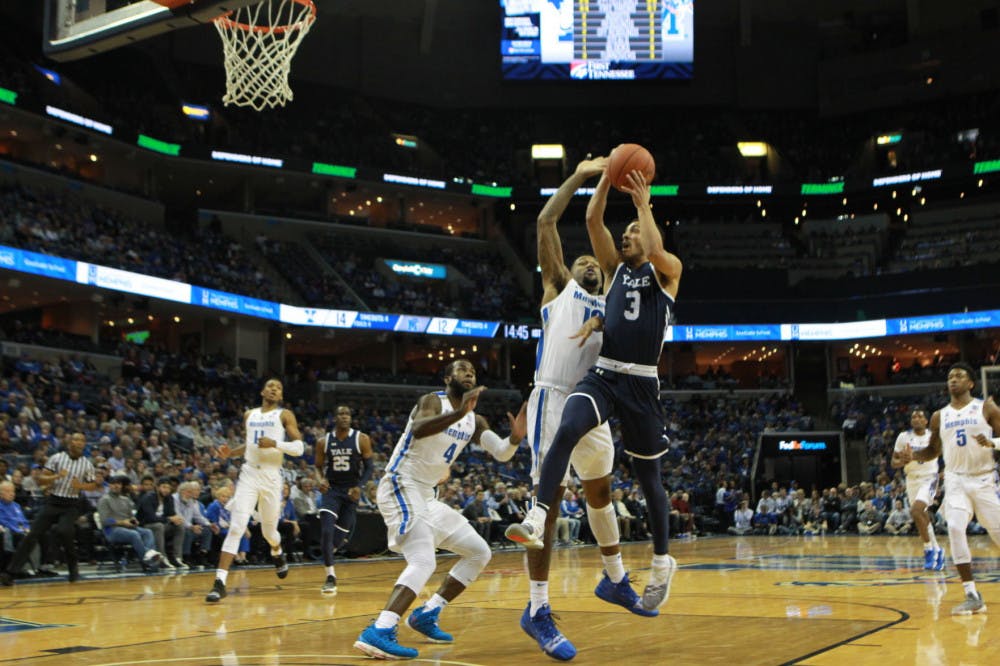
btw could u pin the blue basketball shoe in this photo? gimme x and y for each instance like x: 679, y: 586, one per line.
x: 930, y: 557
x: 426, y: 622
x: 542, y: 627
x: 621, y: 593
x: 382, y: 644
x: 938, y: 558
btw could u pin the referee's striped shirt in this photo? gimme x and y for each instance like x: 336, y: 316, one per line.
x: 80, y: 469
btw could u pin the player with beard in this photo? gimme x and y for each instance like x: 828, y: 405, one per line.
x: 623, y: 382
x: 571, y: 298
x: 439, y: 428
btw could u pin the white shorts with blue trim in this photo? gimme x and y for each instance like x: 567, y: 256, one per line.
x: 973, y: 494
x: 403, y: 502
x: 921, y: 488
x: 592, y: 458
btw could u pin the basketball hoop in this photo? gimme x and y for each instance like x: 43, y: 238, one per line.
x: 258, y: 44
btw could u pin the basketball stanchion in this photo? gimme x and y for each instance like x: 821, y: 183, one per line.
x: 258, y: 45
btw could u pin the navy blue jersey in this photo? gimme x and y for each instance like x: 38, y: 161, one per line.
x: 344, y: 465
x: 636, y: 316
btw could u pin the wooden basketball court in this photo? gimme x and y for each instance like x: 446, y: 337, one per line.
x: 801, y: 600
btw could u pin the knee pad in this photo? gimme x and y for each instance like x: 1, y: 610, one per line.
x: 604, y: 525
x: 418, y: 549
x: 475, y: 552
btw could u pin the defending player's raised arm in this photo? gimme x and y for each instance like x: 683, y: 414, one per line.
x: 933, y: 449
x: 667, y: 265
x: 428, y: 419
x: 555, y: 275
x: 600, y: 237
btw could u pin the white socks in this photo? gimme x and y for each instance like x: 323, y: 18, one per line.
x: 613, y: 565
x: 437, y: 601
x: 386, y: 620
x: 539, y: 595
x: 221, y: 574
x: 329, y: 571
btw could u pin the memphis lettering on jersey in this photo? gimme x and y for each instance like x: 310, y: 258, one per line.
x: 266, y: 422
x: 958, y: 423
x: 457, y: 434
x: 591, y: 301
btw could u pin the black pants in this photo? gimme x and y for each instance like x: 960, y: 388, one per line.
x: 59, y: 512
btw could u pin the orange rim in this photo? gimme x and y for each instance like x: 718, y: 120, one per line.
x: 278, y: 29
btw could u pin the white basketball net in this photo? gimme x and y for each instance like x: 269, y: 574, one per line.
x: 258, y: 44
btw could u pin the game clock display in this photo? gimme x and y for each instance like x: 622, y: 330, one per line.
x: 594, y: 40
x: 522, y: 332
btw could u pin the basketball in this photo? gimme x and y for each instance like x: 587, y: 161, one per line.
x: 626, y: 158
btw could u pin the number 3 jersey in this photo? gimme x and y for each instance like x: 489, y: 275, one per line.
x: 959, y: 427
x: 344, y: 464
x: 559, y: 361
x: 425, y: 460
x: 637, y: 314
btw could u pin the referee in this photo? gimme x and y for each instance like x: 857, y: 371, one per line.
x: 65, y: 474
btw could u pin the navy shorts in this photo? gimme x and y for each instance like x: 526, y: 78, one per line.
x: 337, y: 502
x: 635, y: 400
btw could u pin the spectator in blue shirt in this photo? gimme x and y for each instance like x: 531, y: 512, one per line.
x: 13, y: 525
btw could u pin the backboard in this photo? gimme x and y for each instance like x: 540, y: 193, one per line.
x: 75, y: 29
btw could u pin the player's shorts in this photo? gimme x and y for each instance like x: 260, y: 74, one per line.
x: 592, y: 458
x: 977, y: 495
x: 258, y: 487
x: 921, y: 488
x: 635, y: 400
x: 339, y: 503
x: 402, y: 502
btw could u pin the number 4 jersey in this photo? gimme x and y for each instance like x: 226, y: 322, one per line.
x: 425, y: 460
x: 958, y: 428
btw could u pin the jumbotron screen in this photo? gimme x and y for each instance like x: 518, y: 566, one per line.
x: 597, y: 40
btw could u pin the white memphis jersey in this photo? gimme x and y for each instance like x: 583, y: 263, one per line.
x: 916, y: 468
x: 425, y: 460
x: 264, y: 424
x: 559, y: 362
x: 962, y: 454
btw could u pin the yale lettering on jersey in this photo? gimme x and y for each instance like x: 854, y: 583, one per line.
x: 635, y: 283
